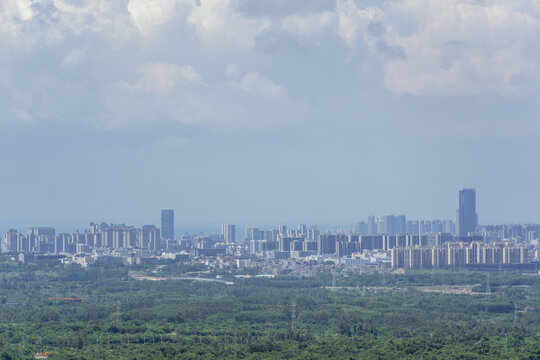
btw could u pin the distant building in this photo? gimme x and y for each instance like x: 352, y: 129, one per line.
x: 392, y: 224
x: 439, y: 238
x: 372, y: 225
x: 449, y: 227
x: 148, y: 238
x: 326, y: 244
x: 10, y: 241
x: 212, y: 252
x: 361, y: 227
x: 253, y: 233
x: 467, y: 216
x: 229, y: 233
x: 167, y: 224
x: 41, y: 231
x: 312, y: 233
x: 413, y: 227
x: 38, y: 236
x: 458, y: 254
x: 290, y: 242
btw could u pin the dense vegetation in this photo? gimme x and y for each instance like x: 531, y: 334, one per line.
x: 371, y: 317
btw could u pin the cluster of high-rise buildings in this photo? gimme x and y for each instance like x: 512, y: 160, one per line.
x: 466, y: 217
x: 398, y: 224
x: 298, y: 244
x: 459, y: 254
x: 467, y: 221
x: 112, y: 236
x: 46, y: 240
x: 489, y: 245
x: 413, y: 243
x: 261, y: 241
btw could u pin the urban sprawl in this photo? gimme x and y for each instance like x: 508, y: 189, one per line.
x: 384, y: 242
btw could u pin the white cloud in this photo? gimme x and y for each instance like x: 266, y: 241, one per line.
x: 232, y: 70
x: 462, y: 47
x: 310, y: 24
x: 22, y: 115
x: 164, y: 77
x: 26, y: 23
x: 446, y: 47
x: 168, y: 92
x: 220, y: 25
x: 106, y: 18
x: 442, y: 47
x: 189, y: 73
x: 25, y: 9
x: 13, y: 14
x: 75, y: 56
x: 149, y: 14
x: 255, y: 84
x: 165, y: 92
x: 353, y: 21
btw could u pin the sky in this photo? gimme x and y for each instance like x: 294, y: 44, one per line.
x: 245, y: 111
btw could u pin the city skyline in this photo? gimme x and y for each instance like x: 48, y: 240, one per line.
x: 466, y: 224
x: 389, y: 240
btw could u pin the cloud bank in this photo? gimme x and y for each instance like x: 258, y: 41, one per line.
x: 127, y: 63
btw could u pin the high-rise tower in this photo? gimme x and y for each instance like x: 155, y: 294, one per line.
x: 167, y: 224
x: 467, y: 216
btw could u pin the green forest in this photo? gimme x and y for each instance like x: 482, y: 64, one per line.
x: 343, y: 316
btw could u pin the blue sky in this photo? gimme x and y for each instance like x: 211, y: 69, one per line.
x: 271, y: 111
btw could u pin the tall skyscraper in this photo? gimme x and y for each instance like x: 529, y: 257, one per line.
x: 229, y: 233
x: 467, y: 216
x: 167, y: 224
